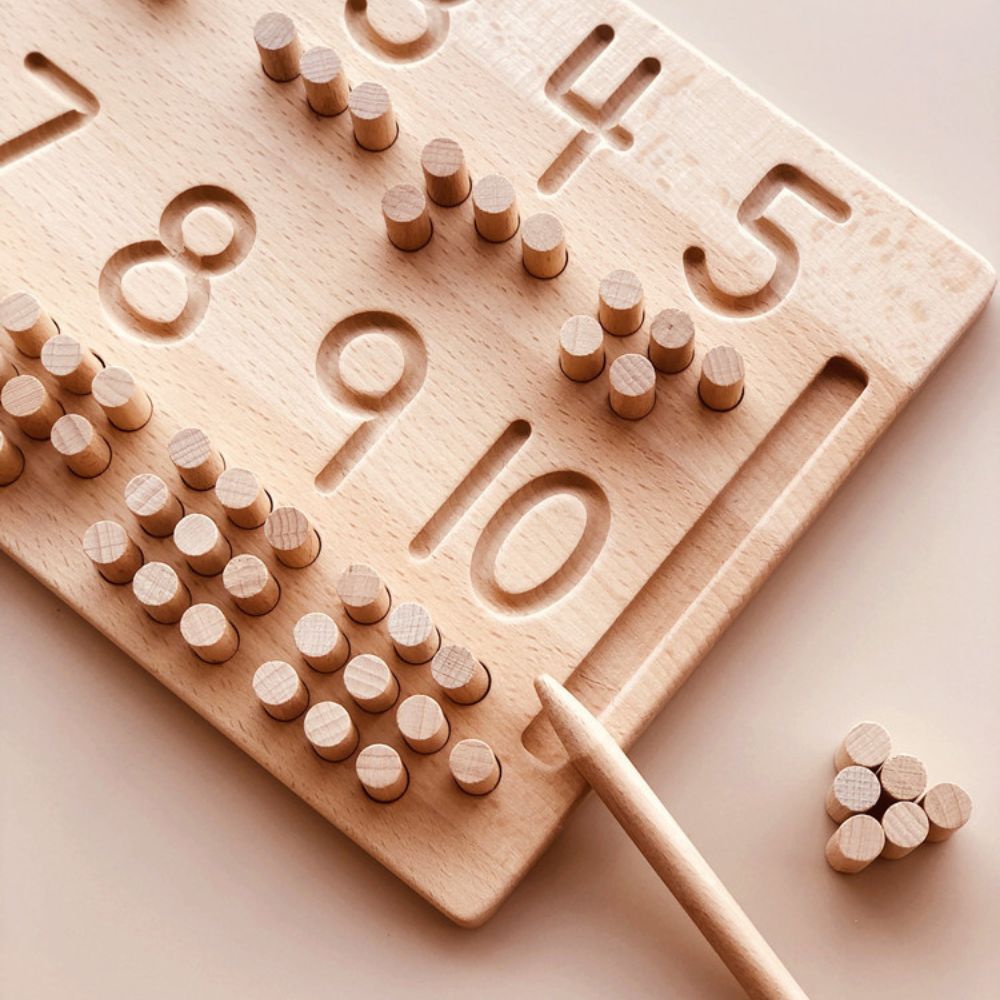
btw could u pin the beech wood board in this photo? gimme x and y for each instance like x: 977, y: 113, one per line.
x: 539, y: 529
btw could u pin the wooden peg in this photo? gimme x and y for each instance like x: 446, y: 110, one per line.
x: 903, y: 777
x: 671, y: 341
x: 445, y: 173
x: 158, y: 588
x: 474, y: 766
x: 71, y: 364
x: 11, y: 461
x: 125, y: 405
x: 371, y: 683
x: 721, y: 383
x: 84, y: 451
x: 494, y: 207
x: 153, y: 505
x: 543, y: 245
x: 372, y: 117
x: 948, y: 809
x: 905, y: 827
x: 31, y: 406
x: 115, y: 556
x: 330, y: 730
x: 8, y: 370
x: 205, y: 549
x: 209, y: 633
x: 364, y: 596
x: 422, y: 723
x: 292, y: 537
x: 867, y: 744
x: 413, y: 633
x: 855, y: 844
x: 250, y: 584
x: 382, y: 773
x: 581, y: 348
x: 407, y: 223
x: 243, y: 498
x: 854, y: 790
x: 280, y: 690
x: 28, y: 324
x: 620, y: 303
x: 325, y: 81
x: 197, y: 462
x: 632, y: 386
x: 278, y: 45
x: 460, y: 675
x: 322, y: 645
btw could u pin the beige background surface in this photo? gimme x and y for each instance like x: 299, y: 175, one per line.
x: 141, y: 855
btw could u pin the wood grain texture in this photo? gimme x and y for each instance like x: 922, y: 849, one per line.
x: 839, y: 297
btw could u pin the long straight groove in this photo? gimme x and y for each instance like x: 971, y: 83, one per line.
x: 496, y: 458
x: 640, y: 631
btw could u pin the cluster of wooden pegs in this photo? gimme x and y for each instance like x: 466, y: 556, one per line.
x: 374, y: 687
x: 882, y: 804
x: 671, y: 349
x: 74, y: 369
x: 447, y: 181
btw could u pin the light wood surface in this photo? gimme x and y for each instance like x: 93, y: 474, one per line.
x: 371, y: 683
x: 158, y: 588
x: 671, y: 341
x: 905, y: 827
x: 84, y: 451
x: 627, y: 613
x: 722, y: 372
x: 855, y: 844
x: 197, y: 461
x: 330, y: 730
x: 153, y: 505
x: 209, y: 633
x: 71, y: 364
x: 903, y: 777
x: 27, y: 323
x: 242, y: 497
x: 632, y: 386
x: 114, y: 555
x: 422, y: 723
x: 382, y: 773
x: 372, y: 116
x: 460, y: 675
x: 322, y: 644
x: 494, y: 204
x: 414, y: 635
x: 867, y: 744
x: 292, y: 538
x: 446, y: 174
x: 407, y: 221
x: 325, y: 81
x: 33, y: 409
x: 948, y: 807
x: 620, y: 302
x: 474, y: 766
x: 581, y: 348
x: 278, y: 45
x: 204, y: 547
x: 363, y: 594
x: 543, y: 245
x: 666, y: 847
x: 125, y: 403
x: 280, y: 690
x: 250, y: 584
x: 854, y: 790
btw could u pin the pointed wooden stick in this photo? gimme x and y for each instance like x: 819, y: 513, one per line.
x: 666, y: 847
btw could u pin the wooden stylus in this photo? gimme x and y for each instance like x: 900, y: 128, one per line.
x: 666, y: 847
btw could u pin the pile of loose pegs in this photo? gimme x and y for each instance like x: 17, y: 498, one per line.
x: 882, y: 803
x: 671, y: 349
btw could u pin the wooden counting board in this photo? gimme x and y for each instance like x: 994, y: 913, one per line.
x: 192, y: 220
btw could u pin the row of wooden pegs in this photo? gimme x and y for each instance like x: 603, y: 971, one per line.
x: 75, y: 369
x: 882, y: 803
x: 671, y: 349
x: 446, y: 174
